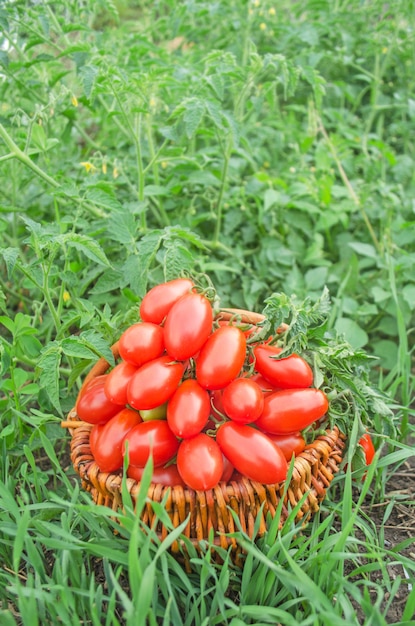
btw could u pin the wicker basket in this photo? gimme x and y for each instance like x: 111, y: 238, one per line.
x: 209, y: 510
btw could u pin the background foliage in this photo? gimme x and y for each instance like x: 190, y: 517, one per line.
x: 268, y: 144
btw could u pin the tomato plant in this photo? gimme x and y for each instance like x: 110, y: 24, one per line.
x: 291, y: 372
x: 141, y: 342
x: 117, y: 381
x: 163, y: 475
x: 150, y: 438
x: 158, y: 301
x: 188, y: 409
x: 221, y: 358
x: 291, y: 410
x: 108, y: 442
x: 188, y: 325
x: 154, y: 383
x: 200, y: 462
x: 243, y: 400
x: 93, y: 405
x: 252, y: 453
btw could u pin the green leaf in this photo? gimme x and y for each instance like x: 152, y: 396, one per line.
x: 97, y: 344
x: 87, y: 246
x: 103, y: 199
x: 364, y: 249
x: 122, y: 227
x: 354, y: 334
x: 49, y: 377
x: 88, y: 75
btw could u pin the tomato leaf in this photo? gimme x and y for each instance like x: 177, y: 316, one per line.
x: 48, y: 365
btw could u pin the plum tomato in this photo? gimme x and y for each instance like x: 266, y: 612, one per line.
x: 117, y: 381
x: 153, y: 438
x: 187, y: 326
x: 228, y: 470
x: 290, y: 444
x: 200, y: 462
x: 290, y: 372
x: 141, y: 342
x: 291, y: 410
x: 93, y: 406
x: 158, y: 301
x: 243, y: 400
x: 94, y: 436
x: 221, y: 358
x: 264, y: 384
x: 368, y: 448
x: 107, y: 448
x: 154, y: 383
x: 252, y: 453
x: 168, y: 476
x: 188, y: 409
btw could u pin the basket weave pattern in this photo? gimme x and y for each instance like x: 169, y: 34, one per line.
x: 313, y: 471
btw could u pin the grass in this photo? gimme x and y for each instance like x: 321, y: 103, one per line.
x: 269, y: 145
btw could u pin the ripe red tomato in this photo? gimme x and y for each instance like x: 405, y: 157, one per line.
x: 158, y: 301
x: 243, y: 400
x: 188, y: 409
x: 290, y: 444
x: 154, y: 383
x: 291, y: 410
x: 291, y: 372
x: 108, y: 443
x: 188, y: 324
x: 252, y: 453
x: 150, y: 438
x: 141, y: 342
x: 93, y: 405
x: 200, y: 462
x: 264, y: 384
x: 221, y: 358
x: 117, y: 382
x: 228, y: 469
x: 93, y: 437
x: 168, y: 476
x: 216, y: 404
x: 368, y: 447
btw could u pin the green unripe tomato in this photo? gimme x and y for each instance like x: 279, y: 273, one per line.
x: 158, y: 413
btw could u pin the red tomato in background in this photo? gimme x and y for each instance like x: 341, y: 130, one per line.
x: 291, y: 410
x: 93, y: 405
x: 150, y: 438
x: 94, y: 435
x: 188, y: 325
x: 108, y: 443
x: 264, y: 384
x: 141, y: 342
x: 168, y: 476
x: 368, y: 447
x: 216, y: 404
x: 154, y: 383
x: 292, y: 443
x: 252, y: 453
x: 158, y: 301
x: 243, y: 400
x: 188, y: 409
x: 200, y: 462
x: 221, y: 358
x: 228, y: 469
x: 117, y: 381
x: 291, y: 372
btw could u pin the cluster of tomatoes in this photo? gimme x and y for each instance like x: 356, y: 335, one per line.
x: 205, y: 397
